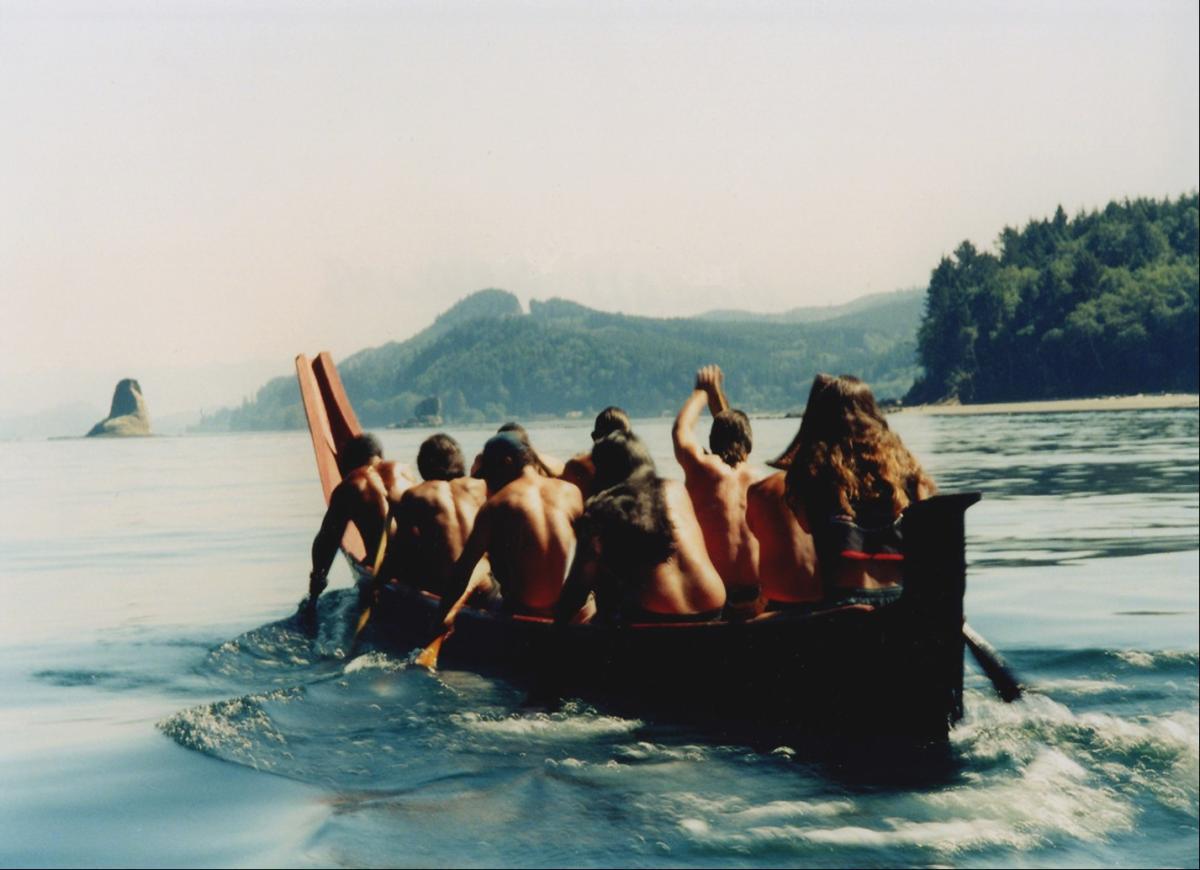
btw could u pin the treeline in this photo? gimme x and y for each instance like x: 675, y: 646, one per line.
x: 1104, y: 303
x: 487, y: 360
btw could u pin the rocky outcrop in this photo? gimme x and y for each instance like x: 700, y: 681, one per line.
x: 128, y: 414
x: 426, y: 413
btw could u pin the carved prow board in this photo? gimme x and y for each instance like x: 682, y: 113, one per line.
x: 331, y: 422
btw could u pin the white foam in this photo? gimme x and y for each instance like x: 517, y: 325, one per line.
x: 1051, y: 797
x: 646, y: 751
x: 1136, y: 657
x: 1058, y: 776
x: 785, y: 810
x: 544, y: 726
x: 1079, y: 687
x: 1156, y: 754
x: 1143, y: 659
x: 942, y: 837
x: 374, y: 661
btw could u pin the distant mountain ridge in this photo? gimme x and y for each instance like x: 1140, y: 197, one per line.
x: 485, y: 359
x: 818, y: 313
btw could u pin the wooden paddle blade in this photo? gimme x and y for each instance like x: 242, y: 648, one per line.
x: 1004, y: 681
x: 428, y: 657
x: 363, y: 619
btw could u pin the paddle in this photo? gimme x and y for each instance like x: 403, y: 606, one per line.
x: 1004, y: 681
x: 428, y: 657
x: 365, y: 616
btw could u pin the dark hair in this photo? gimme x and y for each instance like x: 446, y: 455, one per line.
x: 729, y: 437
x: 357, y: 452
x: 440, y: 458
x: 632, y: 523
x: 629, y: 514
x: 616, y: 457
x: 846, y: 456
x: 519, y: 432
x: 611, y: 419
x: 503, y: 459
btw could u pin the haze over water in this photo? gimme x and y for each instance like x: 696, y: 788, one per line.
x: 154, y: 709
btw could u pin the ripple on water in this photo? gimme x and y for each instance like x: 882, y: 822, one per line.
x: 235, y: 730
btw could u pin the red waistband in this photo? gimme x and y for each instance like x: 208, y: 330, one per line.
x: 860, y: 556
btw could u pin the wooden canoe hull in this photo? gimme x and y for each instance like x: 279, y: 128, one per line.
x: 894, y: 669
x: 845, y: 669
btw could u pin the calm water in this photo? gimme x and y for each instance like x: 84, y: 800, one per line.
x: 153, y: 712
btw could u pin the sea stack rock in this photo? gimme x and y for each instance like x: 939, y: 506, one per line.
x: 128, y: 414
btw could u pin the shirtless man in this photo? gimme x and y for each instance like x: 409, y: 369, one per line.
x: 370, y: 486
x: 641, y: 551
x: 580, y: 470
x: 525, y: 528
x: 787, y: 557
x: 434, y: 519
x: 717, y: 483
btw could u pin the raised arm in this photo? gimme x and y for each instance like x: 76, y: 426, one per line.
x: 687, y: 449
x: 712, y: 380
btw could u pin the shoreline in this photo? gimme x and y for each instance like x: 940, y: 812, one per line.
x: 1138, y: 402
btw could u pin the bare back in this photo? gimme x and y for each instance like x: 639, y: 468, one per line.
x: 687, y: 583
x: 434, y: 518
x: 718, y: 495
x: 581, y: 471
x: 530, y: 539
x: 366, y: 497
x: 787, y: 557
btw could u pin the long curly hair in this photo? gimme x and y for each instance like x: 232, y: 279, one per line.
x: 629, y: 514
x: 846, y: 458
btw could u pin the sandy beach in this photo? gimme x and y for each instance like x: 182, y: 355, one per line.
x: 1061, y: 406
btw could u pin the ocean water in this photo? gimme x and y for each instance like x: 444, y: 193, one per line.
x: 157, y: 709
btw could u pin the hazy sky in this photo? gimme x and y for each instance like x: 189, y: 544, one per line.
x: 184, y: 184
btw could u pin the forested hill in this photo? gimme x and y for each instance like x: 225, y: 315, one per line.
x: 1105, y: 303
x: 485, y: 359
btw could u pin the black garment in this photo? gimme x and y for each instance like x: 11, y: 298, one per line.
x: 649, y: 616
x: 876, y: 597
x: 873, y: 534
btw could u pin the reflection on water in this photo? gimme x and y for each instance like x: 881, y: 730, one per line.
x: 170, y: 605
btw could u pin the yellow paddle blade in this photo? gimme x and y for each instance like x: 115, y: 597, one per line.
x: 363, y: 619
x: 428, y: 657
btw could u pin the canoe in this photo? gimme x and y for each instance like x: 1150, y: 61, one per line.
x: 896, y: 669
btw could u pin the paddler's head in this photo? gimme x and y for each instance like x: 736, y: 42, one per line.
x: 360, y: 450
x: 518, y: 431
x: 841, y: 409
x: 845, y: 454
x: 729, y: 437
x: 617, y: 457
x: 503, y: 460
x: 440, y: 458
x: 611, y: 419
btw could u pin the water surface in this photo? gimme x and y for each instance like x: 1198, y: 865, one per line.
x: 157, y: 708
